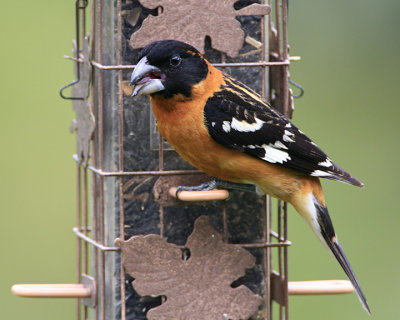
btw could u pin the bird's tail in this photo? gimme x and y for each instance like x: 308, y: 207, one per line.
x: 318, y: 218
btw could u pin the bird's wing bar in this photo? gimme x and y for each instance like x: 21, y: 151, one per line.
x: 240, y: 120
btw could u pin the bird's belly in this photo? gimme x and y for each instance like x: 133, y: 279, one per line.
x: 188, y: 135
x: 201, y: 151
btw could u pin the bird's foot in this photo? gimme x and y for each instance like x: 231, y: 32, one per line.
x: 217, y: 184
x: 206, y: 186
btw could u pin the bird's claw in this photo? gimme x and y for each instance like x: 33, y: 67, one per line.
x: 207, y: 186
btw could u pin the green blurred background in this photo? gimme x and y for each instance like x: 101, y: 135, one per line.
x: 350, y: 70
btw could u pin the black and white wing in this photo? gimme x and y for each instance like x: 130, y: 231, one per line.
x: 239, y: 119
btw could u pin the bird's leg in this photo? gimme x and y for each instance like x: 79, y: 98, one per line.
x: 223, y: 184
x: 217, y: 184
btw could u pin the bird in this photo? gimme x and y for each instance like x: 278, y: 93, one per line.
x: 225, y: 129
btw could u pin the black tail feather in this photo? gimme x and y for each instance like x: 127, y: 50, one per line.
x: 329, y: 235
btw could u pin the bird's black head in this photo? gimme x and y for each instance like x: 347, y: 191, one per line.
x: 168, y: 67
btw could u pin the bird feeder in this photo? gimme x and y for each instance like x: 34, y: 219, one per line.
x: 143, y: 252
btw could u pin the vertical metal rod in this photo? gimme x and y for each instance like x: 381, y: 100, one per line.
x: 121, y: 157
x: 94, y: 159
x: 79, y: 241
x: 83, y: 21
x: 278, y: 26
x: 267, y: 256
x: 162, y: 221
x: 270, y: 257
x: 223, y: 60
x: 287, y: 112
x: 160, y: 152
x: 224, y: 211
x: 284, y: 29
x: 264, y: 57
x: 225, y: 222
x: 85, y: 221
x: 266, y: 262
x: 267, y: 31
x: 280, y: 265
x: 161, y: 167
x: 285, y: 69
x: 102, y: 254
x: 77, y: 36
x: 267, y: 200
x: 101, y: 158
x: 100, y: 85
x: 85, y: 231
x: 285, y: 257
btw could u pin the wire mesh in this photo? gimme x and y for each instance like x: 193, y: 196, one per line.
x: 93, y: 246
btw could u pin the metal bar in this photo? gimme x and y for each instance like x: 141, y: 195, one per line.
x: 79, y: 241
x: 268, y: 253
x: 278, y: 25
x: 94, y: 242
x: 101, y: 156
x: 281, y: 276
x: 95, y: 265
x: 276, y: 236
x: 223, y: 61
x: 85, y: 204
x: 88, y: 229
x: 225, y: 222
x: 287, y: 112
x: 162, y: 221
x: 100, y: 66
x: 265, y: 245
x: 77, y: 36
x: 244, y: 245
x: 85, y: 221
x: 285, y: 84
x: 102, y: 173
x: 285, y: 258
x: 121, y: 157
x: 267, y: 199
x: 161, y: 168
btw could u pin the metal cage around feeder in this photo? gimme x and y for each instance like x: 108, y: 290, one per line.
x: 111, y: 60
x: 124, y: 179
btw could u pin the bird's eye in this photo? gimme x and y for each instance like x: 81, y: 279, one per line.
x: 175, y: 61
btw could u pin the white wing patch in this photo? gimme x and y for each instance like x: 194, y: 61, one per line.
x: 319, y: 173
x: 226, y: 126
x: 243, y: 126
x: 327, y: 163
x: 274, y: 155
x: 279, y: 145
x: 287, y: 136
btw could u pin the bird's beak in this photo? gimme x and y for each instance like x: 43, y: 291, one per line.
x: 146, y: 78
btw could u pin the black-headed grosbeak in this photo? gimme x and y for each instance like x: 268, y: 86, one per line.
x: 225, y: 129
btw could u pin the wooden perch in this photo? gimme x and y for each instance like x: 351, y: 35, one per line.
x: 319, y: 287
x: 52, y: 290
x: 211, y: 195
